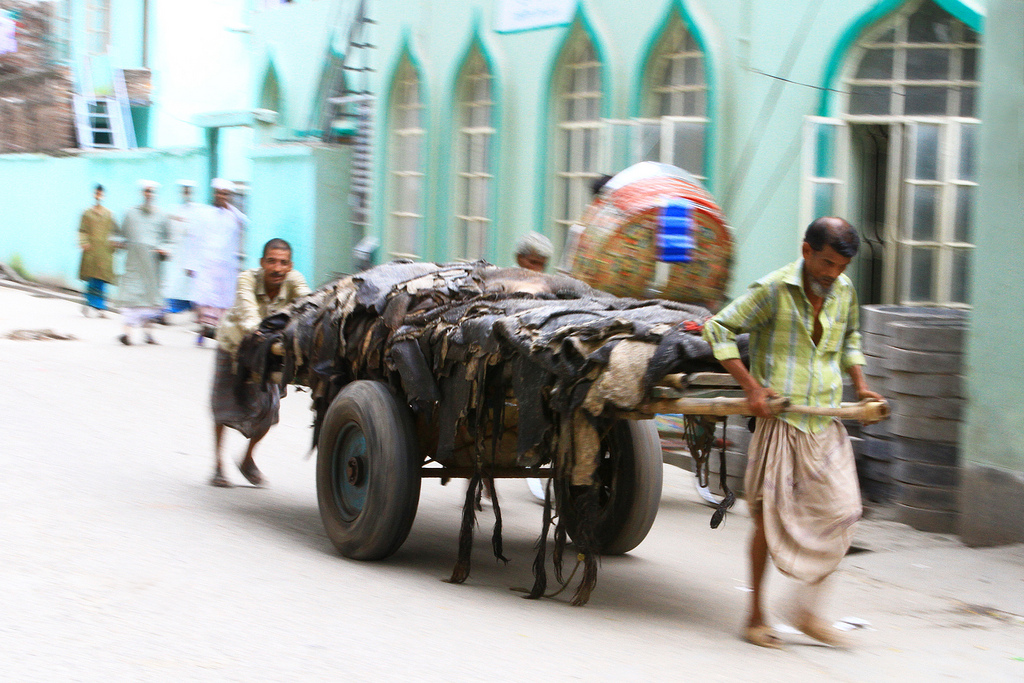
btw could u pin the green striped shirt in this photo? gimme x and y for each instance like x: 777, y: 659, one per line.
x: 780, y: 319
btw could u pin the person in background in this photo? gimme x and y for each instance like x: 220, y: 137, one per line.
x: 144, y: 234
x: 250, y: 408
x: 215, y: 261
x: 801, y: 480
x: 533, y: 251
x: 177, y: 289
x: 97, y: 266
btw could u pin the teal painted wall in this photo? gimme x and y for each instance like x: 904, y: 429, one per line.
x: 299, y: 193
x: 40, y: 218
x: 995, y: 418
x: 41, y: 230
x: 282, y: 203
x: 755, y: 133
x: 295, y: 38
x: 333, y: 240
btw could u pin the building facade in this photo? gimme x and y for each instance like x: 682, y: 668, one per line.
x: 446, y: 130
x: 106, y: 91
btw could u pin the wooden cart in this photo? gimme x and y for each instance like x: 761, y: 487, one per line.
x: 373, y: 455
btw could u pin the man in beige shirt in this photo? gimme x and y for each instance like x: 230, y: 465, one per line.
x: 250, y: 408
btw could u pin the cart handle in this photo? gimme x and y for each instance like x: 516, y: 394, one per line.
x: 866, y: 411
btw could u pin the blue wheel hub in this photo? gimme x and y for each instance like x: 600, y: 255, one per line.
x: 350, y: 472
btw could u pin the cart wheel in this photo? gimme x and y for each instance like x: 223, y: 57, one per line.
x: 629, y: 480
x: 367, y: 471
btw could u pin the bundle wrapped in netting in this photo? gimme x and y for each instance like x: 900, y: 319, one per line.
x: 458, y: 341
x: 621, y: 238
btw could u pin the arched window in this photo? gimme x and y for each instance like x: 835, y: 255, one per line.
x: 406, y: 161
x: 270, y: 99
x: 473, y: 157
x: 906, y: 138
x: 579, y: 133
x: 675, y: 106
x: 923, y: 62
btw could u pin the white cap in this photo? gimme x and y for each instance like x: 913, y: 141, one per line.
x: 186, y: 183
x: 222, y: 184
x: 534, y: 243
x: 149, y: 185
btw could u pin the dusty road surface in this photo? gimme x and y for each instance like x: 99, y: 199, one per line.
x: 119, y: 562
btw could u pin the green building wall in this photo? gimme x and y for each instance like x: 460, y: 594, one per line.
x: 300, y: 193
x: 767, y: 64
x: 754, y: 134
x: 992, y: 484
x: 39, y: 226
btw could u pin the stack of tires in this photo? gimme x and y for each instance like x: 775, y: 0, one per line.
x: 921, y: 365
x: 927, y: 388
x: 874, y: 449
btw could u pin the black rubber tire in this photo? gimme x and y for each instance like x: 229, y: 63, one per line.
x: 367, y: 471
x: 630, y: 476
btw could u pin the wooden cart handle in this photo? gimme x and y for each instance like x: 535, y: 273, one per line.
x: 864, y: 411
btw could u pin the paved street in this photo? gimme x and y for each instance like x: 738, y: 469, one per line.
x: 119, y: 562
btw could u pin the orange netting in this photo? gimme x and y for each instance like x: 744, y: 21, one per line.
x: 618, y: 249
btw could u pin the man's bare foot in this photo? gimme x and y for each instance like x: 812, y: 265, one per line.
x: 816, y: 628
x: 218, y: 479
x: 762, y: 635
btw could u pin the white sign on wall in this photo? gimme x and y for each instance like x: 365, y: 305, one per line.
x: 523, y: 15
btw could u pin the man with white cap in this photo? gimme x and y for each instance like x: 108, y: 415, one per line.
x: 144, y: 234
x: 215, y: 263
x: 177, y: 288
x: 533, y: 251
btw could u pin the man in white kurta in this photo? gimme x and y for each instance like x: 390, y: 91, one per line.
x: 215, y: 265
x: 184, y: 225
x: 145, y: 236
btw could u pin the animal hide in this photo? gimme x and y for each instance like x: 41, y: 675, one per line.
x: 456, y: 340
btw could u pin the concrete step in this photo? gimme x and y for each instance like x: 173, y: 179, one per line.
x: 927, y: 497
x: 934, y: 521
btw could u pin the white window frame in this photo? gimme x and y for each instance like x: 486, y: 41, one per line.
x: 672, y: 47
x: 573, y: 175
x: 97, y: 27
x: 406, y: 160
x: 810, y: 204
x: 474, y: 154
x: 947, y: 184
x: 900, y: 81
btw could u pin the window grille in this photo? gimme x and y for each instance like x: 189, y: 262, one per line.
x: 97, y: 26
x: 913, y: 78
x: 579, y: 147
x: 923, y: 63
x: 406, y: 161
x: 675, y: 119
x: 474, y: 150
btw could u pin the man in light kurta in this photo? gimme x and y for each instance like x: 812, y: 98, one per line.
x: 185, y: 218
x: 248, y: 407
x: 97, y: 266
x: 144, y: 234
x: 801, y: 480
x: 215, y: 263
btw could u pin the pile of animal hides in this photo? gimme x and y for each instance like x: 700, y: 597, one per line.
x: 458, y: 342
